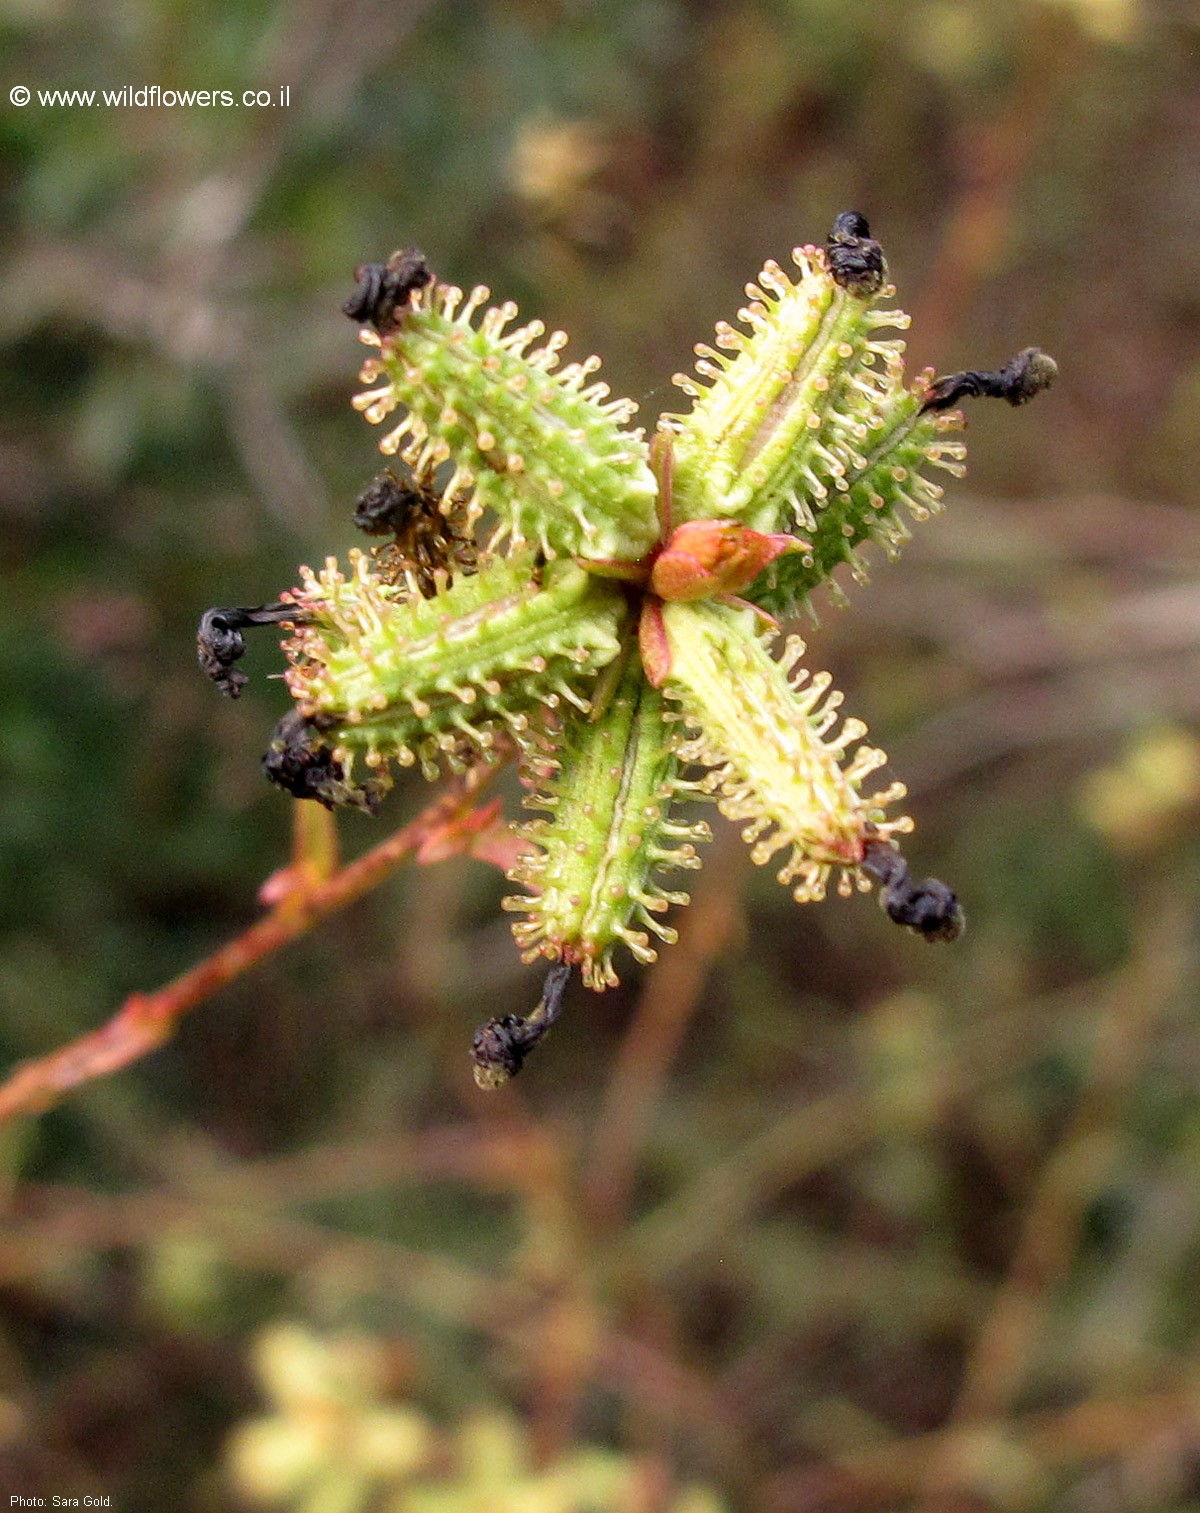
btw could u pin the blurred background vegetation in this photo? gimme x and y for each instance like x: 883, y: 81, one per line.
x: 810, y: 1218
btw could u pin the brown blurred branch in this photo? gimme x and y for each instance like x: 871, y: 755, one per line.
x: 146, y: 1020
x: 827, y: 1129
x: 1037, y: 663
x: 1007, y: 1344
x: 648, y: 1051
x: 493, y: 1158
x: 58, y: 1218
x: 1027, y: 714
x: 993, y: 159
x: 875, y: 1477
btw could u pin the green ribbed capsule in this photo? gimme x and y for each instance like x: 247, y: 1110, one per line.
x: 408, y: 679
x: 804, y: 441
x: 767, y: 741
x: 608, y: 789
x: 542, y: 448
x: 784, y: 410
x: 874, y: 501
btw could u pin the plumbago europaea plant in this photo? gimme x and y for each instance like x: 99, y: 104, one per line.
x: 600, y: 606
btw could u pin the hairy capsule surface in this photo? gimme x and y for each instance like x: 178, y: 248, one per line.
x: 601, y: 609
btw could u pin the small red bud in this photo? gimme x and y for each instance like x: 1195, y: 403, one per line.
x: 704, y: 558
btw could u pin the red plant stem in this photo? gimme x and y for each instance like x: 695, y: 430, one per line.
x: 145, y: 1020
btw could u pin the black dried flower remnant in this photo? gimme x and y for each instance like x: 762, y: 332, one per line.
x: 220, y: 642
x: 856, y: 260
x: 387, y: 505
x: 383, y: 289
x: 426, y: 540
x: 929, y: 907
x: 1021, y: 377
x: 500, y: 1047
x: 298, y: 761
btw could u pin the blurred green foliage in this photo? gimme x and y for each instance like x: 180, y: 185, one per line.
x: 773, y: 1216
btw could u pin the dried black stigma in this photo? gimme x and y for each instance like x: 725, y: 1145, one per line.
x: 1021, y: 377
x: 383, y: 289
x: 426, y: 542
x: 856, y: 261
x: 500, y: 1047
x: 386, y: 505
x: 928, y: 907
x: 299, y: 762
x: 220, y: 642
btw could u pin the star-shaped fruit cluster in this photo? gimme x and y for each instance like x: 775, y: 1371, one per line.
x: 554, y: 587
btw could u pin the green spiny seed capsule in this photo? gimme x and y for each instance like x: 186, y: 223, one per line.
x: 784, y: 409
x: 608, y: 788
x: 878, y: 497
x: 542, y: 447
x: 768, y: 744
x: 404, y: 678
x: 559, y: 591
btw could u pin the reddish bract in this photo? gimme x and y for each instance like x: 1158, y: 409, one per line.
x: 704, y: 558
